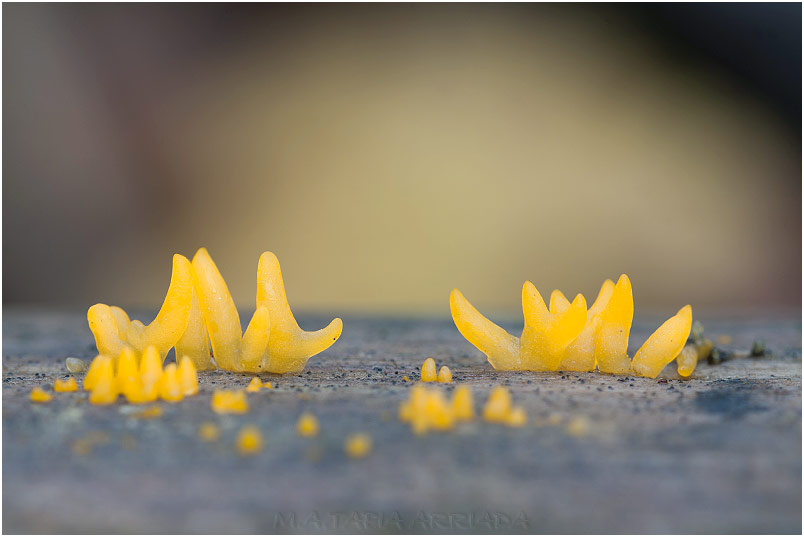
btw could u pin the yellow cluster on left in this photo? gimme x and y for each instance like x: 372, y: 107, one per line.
x: 140, y: 380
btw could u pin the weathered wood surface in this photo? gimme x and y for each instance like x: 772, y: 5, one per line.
x: 718, y: 453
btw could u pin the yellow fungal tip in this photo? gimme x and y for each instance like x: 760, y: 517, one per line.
x: 444, y: 374
x: 687, y: 360
x: 307, y: 425
x: 429, y: 370
x: 170, y: 389
x: 208, y: 432
x: 65, y: 385
x: 357, y: 445
x: 498, y: 405
x: 254, y: 385
x: 268, y: 386
x: 229, y: 402
x: 188, y: 377
x: 38, y: 395
x: 249, y: 440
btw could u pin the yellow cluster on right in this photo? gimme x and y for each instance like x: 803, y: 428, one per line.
x: 428, y: 409
x: 139, y: 381
x: 568, y: 337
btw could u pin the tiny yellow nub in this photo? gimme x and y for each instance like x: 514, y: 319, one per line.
x: 358, y: 445
x: 188, y: 379
x: 228, y: 402
x: 249, y: 440
x: 254, y: 385
x: 104, y: 388
x: 150, y: 366
x: 208, y: 432
x: 38, y: 395
x: 498, y: 405
x: 66, y: 385
x: 687, y: 360
x: 462, y: 405
x: 307, y: 425
x: 429, y: 371
x: 444, y: 374
x: 127, y: 369
x: 517, y: 417
x: 170, y: 389
x: 92, y: 373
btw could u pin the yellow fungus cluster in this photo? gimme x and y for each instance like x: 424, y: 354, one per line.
x: 429, y: 372
x: 229, y: 402
x: 357, y: 445
x: 198, y: 310
x: 428, y: 409
x: 139, y: 381
x: 569, y: 337
x: 256, y: 385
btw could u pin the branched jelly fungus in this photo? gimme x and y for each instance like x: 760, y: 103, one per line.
x: 273, y: 341
x: 75, y: 365
x: 687, y: 361
x: 498, y: 405
x: 254, y: 385
x: 38, y: 395
x: 195, y: 340
x: 567, y: 337
x: 307, y: 425
x: 229, y: 402
x: 444, y: 375
x: 357, y: 445
x: 249, y: 440
x: 429, y: 371
x: 65, y: 385
x: 208, y: 432
x: 114, y: 331
x: 170, y: 389
x: 663, y: 345
x: 463, y: 406
x: 188, y: 378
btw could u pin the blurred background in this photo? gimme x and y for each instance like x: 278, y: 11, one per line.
x: 388, y: 153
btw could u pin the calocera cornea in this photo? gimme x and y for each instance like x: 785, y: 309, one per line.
x: 568, y: 337
x: 199, y: 313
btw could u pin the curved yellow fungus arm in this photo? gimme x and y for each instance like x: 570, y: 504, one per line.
x: 114, y: 332
x: 547, y: 335
x: 580, y: 354
x: 611, y: 342
x: 194, y: 343
x: 663, y: 345
x: 500, y: 347
x: 289, y: 347
x: 232, y: 350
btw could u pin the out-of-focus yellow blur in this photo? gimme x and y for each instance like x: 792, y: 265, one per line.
x: 386, y: 161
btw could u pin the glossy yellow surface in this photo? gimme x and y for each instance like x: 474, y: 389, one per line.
x: 611, y: 343
x: 114, y: 331
x: 65, y: 385
x: 358, y: 445
x: 169, y: 387
x: 38, y: 395
x: 500, y: 347
x: 249, y: 440
x: 444, y: 375
x: 307, y: 425
x: 663, y: 345
x: 188, y: 377
x: 429, y: 371
x: 580, y: 354
x: 547, y: 334
x: 687, y: 360
x: 104, y: 388
x: 229, y: 402
x: 194, y: 343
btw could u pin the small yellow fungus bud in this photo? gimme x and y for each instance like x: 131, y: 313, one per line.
x: 188, y: 379
x: 127, y: 369
x: 208, y: 432
x: 92, y: 374
x: 254, y: 385
x: 229, y: 402
x: 38, y: 395
x: 150, y: 366
x: 429, y: 370
x: 498, y: 405
x: 137, y: 392
x: 687, y: 361
x: 104, y: 390
x: 75, y: 365
x: 517, y: 418
x: 462, y: 404
x: 578, y: 426
x: 66, y: 385
x: 307, y: 425
x: 444, y: 374
x: 406, y: 378
x: 358, y: 445
x: 249, y: 440
x: 169, y: 386
x: 268, y: 386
